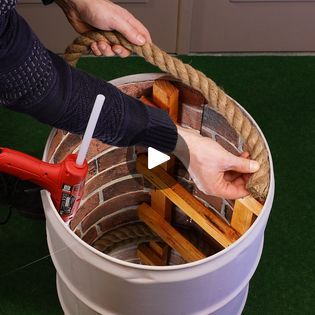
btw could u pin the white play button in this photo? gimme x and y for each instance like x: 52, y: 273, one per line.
x: 156, y: 158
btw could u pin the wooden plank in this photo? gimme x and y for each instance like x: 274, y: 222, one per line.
x: 244, y: 213
x: 159, y: 201
x: 242, y: 218
x: 169, y: 235
x: 148, y: 256
x: 153, y: 253
x: 166, y: 95
x: 213, y: 224
x: 251, y: 204
x: 160, y: 248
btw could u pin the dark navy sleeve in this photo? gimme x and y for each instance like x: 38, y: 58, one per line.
x: 37, y: 82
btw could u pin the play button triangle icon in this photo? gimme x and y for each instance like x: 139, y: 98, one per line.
x: 156, y: 158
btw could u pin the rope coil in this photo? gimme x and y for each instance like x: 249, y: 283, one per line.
x: 258, y: 184
x: 131, y: 233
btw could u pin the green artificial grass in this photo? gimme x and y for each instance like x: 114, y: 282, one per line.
x: 279, y: 93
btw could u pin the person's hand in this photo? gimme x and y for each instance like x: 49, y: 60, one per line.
x: 86, y: 15
x: 214, y: 170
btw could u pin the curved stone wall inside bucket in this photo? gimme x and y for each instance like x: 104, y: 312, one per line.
x: 107, y: 218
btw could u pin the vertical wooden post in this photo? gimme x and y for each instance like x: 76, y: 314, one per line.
x: 244, y: 213
x: 165, y: 95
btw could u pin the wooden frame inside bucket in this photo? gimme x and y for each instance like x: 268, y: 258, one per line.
x: 168, y: 192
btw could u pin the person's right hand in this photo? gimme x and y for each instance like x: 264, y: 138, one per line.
x: 214, y: 170
x: 87, y: 15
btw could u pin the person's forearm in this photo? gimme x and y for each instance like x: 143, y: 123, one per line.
x: 39, y: 83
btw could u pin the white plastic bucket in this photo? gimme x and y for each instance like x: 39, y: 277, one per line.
x: 90, y: 282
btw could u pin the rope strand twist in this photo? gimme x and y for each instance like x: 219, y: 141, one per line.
x: 138, y: 232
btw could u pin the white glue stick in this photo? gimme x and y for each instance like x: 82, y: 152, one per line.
x: 100, y: 99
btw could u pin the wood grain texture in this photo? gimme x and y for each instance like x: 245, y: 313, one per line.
x: 210, y: 222
x: 148, y: 256
x: 169, y: 234
x: 244, y: 213
x: 165, y: 95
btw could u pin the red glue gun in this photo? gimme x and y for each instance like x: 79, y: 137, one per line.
x: 64, y: 181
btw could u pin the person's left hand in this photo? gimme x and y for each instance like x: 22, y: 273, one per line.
x: 214, y: 170
x: 86, y: 15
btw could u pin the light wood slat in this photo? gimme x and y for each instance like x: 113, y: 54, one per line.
x: 213, y: 224
x: 165, y: 95
x: 251, y: 204
x: 160, y: 248
x: 159, y: 251
x: 244, y: 213
x: 159, y: 201
x: 148, y: 256
x: 169, y: 234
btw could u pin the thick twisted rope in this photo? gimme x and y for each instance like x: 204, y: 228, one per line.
x: 131, y: 233
x: 259, y: 182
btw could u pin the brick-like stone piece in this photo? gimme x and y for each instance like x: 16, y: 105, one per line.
x: 68, y: 145
x: 213, y: 120
x: 91, y: 236
x: 206, y: 132
x: 113, y: 205
x: 189, y: 96
x: 118, y: 219
x: 213, y: 201
x: 114, y: 157
x: 227, y: 145
x: 109, y: 175
x: 86, y: 208
x: 95, y: 148
x: 54, y: 143
x: 191, y: 116
x: 92, y: 169
x: 137, y: 89
x: 230, y: 202
x: 122, y: 187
